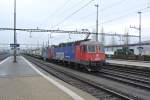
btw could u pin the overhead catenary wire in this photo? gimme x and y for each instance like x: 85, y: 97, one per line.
x: 113, y: 5
x: 72, y: 7
x: 113, y: 19
x: 102, y: 9
x: 60, y: 9
x: 116, y: 18
x: 69, y: 16
x: 56, y: 11
x: 120, y: 17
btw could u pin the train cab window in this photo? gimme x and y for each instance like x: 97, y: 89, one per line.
x: 98, y: 49
x: 84, y: 48
x: 91, y: 48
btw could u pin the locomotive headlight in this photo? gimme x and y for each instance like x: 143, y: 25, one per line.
x: 97, y: 55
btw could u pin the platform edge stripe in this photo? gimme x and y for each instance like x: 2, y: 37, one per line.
x: 1, y: 62
x: 60, y: 86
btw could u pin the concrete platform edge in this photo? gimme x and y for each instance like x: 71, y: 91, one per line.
x: 129, y: 66
x: 63, y: 88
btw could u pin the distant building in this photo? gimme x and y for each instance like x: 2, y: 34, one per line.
x: 145, y: 48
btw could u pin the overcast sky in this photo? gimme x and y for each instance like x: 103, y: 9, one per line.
x: 114, y: 16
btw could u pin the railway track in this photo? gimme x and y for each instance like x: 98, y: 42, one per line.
x: 99, y: 91
x: 129, y: 70
x: 3, y: 56
x: 136, y: 77
x: 140, y: 82
x: 131, y: 76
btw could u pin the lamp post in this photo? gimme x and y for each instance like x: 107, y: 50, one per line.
x: 97, y: 22
x: 140, y: 51
x: 15, y: 31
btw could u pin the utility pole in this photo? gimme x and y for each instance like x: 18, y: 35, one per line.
x: 97, y: 22
x: 140, y: 49
x: 102, y: 36
x: 126, y: 36
x: 139, y: 28
x: 15, y: 30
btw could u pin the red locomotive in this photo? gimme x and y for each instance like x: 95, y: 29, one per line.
x: 84, y: 54
x: 90, y: 55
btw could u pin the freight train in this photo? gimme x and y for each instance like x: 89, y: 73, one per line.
x: 83, y: 54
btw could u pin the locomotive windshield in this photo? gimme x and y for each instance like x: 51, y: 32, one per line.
x: 91, y: 48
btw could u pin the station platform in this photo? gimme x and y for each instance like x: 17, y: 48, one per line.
x: 24, y: 81
x: 144, y: 64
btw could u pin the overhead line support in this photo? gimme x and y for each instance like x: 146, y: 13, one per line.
x: 15, y: 31
x: 97, y: 22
